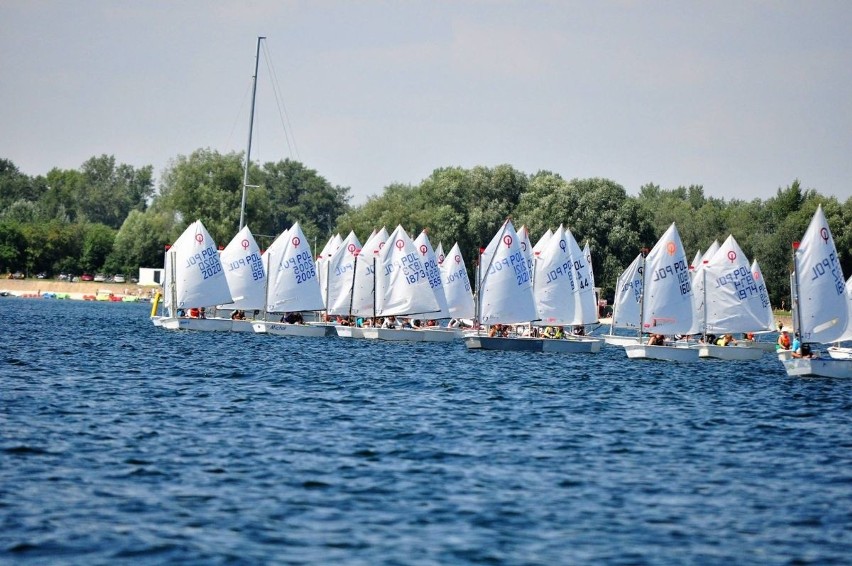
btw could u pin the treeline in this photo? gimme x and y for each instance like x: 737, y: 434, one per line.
x: 110, y: 217
x: 468, y: 206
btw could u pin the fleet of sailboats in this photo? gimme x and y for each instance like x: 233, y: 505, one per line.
x: 667, y: 309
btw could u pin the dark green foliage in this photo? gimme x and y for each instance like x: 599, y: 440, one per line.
x: 107, y: 217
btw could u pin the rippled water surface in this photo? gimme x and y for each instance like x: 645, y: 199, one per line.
x: 121, y: 442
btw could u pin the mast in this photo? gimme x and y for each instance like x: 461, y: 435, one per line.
x: 251, y: 127
x: 642, y: 296
x: 794, y: 298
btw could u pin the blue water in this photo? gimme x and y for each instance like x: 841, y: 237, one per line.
x: 121, y: 442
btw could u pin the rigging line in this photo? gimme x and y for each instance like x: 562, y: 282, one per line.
x: 286, y: 125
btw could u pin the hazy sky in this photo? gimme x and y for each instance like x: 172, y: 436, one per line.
x: 740, y: 96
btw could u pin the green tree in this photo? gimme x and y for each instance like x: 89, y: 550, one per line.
x: 98, y: 241
x: 108, y: 192
x: 13, y: 245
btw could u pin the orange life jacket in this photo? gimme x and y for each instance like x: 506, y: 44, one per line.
x: 784, y: 341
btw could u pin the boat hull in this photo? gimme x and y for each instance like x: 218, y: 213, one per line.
x: 440, y: 334
x: 733, y: 352
x: 393, y: 334
x: 521, y: 344
x: 664, y: 353
x: 242, y: 326
x: 839, y: 353
x: 349, y: 331
x: 617, y: 340
x: 198, y: 324
x: 572, y: 346
x: 285, y: 329
x: 818, y: 367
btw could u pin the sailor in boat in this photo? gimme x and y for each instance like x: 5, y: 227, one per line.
x: 579, y: 330
x: 390, y: 322
x: 726, y: 340
x: 801, y: 350
x: 238, y: 315
x: 784, y: 342
x: 293, y: 318
x: 656, y: 340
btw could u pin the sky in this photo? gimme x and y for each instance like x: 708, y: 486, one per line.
x: 741, y: 97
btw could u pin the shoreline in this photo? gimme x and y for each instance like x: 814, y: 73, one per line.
x: 82, y: 290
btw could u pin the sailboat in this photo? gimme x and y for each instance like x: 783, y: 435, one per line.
x: 666, y: 300
x: 178, y: 276
x: 556, y: 292
x: 194, y: 279
x: 361, y: 293
x: 626, y: 308
x: 339, y: 278
x: 820, y: 301
x: 456, y: 283
x: 504, y: 293
x: 246, y: 276
x: 837, y: 351
x: 402, y: 288
x: 433, y: 274
x: 293, y: 285
x: 731, y: 303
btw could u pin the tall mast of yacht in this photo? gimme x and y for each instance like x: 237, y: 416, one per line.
x: 251, y: 127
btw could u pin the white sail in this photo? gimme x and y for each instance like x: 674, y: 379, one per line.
x: 847, y: 336
x: 340, y: 270
x: 667, y: 302
x: 542, y: 242
x: 526, y: 248
x: 696, y: 261
x: 505, y: 289
x: 293, y: 281
x: 733, y: 302
x: 553, y: 285
x: 823, y: 311
x: 628, y: 294
x: 433, y: 273
x: 362, y: 289
x: 768, y: 320
x: 585, y: 303
x: 322, y: 258
x: 457, y: 285
x: 402, y: 287
x: 244, y: 271
x: 439, y: 253
x: 195, y: 277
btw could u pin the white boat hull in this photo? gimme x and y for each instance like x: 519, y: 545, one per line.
x: 732, y: 352
x: 818, y: 367
x: 617, y: 340
x: 839, y: 353
x: 762, y: 344
x: 349, y: 331
x: 285, y: 329
x: 199, y: 324
x: 440, y: 334
x: 242, y: 326
x: 572, y: 346
x: 665, y: 353
x: 393, y: 334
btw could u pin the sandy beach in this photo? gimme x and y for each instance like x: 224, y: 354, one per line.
x: 80, y: 290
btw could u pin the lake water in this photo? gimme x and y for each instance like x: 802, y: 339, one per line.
x: 121, y: 442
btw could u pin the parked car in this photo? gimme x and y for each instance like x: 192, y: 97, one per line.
x: 119, y: 279
x: 86, y: 277
x: 42, y: 275
x: 100, y: 277
x: 64, y: 277
x: 17, y: 275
